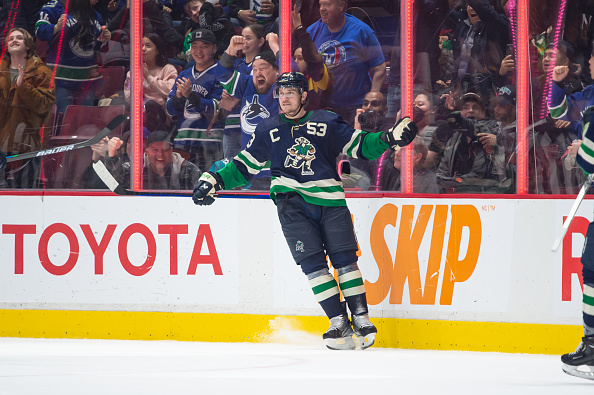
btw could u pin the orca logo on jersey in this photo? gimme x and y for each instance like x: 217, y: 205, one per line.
x: 251, y: 114
x: 301, y: 155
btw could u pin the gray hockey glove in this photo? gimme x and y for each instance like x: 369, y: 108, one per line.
x: 207, y: 185
x: 401, y: 134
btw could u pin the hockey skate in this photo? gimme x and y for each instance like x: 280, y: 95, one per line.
x: 364, y: 330
x: 580, y: 363
x: 340, y: 334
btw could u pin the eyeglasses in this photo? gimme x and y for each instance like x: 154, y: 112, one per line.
x: 373, y: 103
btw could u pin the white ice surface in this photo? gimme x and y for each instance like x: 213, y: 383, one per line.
x: 304, y: 367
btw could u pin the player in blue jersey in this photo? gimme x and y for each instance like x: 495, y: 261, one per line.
x: 302, y: 147
x: 194, y: 102
x: 580, y: 105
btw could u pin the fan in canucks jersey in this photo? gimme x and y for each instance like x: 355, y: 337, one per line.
x: 194, y: 102
x: 302, y: 147
x: 255, y: 92
x: 73, y: 55
x: 580, y: 105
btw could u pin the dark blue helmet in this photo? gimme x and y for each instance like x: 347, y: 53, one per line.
x: 293, y: 79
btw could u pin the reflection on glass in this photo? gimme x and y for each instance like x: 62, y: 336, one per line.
x: 557, y: 41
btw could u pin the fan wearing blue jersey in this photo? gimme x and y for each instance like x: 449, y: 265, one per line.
x: 575, y: 107
x: 302, y: 147
x: 256, y: 101
x: 352, y: 53
x: 74, y: 41
x: 194, y: 102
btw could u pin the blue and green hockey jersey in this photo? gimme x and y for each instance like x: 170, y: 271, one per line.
x: 302, y: 155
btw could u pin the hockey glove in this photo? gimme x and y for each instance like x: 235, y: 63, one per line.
x: 401, y: 134
x: 207, y: 185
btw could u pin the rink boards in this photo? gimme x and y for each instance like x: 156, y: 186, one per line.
x: 466, y: 274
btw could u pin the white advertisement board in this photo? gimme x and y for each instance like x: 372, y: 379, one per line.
x: 466, y: 259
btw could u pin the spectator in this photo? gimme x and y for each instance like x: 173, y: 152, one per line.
x: 311, y: 64
x: 253, y: 43
x: 256, y: 97
x: 193, y: 101
x: 158, y: 75
x: 463, y: 166
x: 563, y: 56
x: 201, y: 14
x: 424, y: 180
x: 479, y: 45
x: 351, y: 52
x: 25, y: 103
x: 163, y: 169
x: 424, y: 116
x: 501, y: 146
x: 249, y: 12
x: 154, y: 19
x: 75, y: 62
x: 370, y: 118
x: 23, y: 14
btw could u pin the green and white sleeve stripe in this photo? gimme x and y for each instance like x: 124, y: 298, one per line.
x: 252, y: 165
x: 352, y: 146
x: 585, y: 154
x: 559, y: 111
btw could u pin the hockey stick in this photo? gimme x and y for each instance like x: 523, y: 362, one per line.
x: 573, y: 211
x: 114, y: 123
x: 118, y: 189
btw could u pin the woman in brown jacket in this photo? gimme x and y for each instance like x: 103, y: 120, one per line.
x: 25, y: 103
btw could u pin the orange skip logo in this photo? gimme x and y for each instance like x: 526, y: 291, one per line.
x: 393, y: 274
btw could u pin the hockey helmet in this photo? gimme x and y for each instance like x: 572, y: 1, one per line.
x: 293, y: 79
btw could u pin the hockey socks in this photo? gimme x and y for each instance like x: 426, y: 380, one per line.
x: 353, y: 289
x: 340, y: 334
x: 326, y: 292
x: 588, y: 309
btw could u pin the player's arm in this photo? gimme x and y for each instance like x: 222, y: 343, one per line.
x: 238, y: 172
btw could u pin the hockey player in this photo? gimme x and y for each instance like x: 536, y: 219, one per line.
x: 580, y: 363
x: 302, y: 147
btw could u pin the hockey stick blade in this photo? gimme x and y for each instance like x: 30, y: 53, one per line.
x: 114, y: 123
x: 573, y: 211
x: 118, y: 189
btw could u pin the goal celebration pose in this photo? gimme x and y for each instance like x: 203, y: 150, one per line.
x: 302, y: 147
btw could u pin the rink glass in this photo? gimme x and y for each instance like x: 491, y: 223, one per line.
x: 456, y: 49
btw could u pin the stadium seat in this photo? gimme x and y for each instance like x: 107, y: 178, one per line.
x: 65, y: 170
x: 113, y: 81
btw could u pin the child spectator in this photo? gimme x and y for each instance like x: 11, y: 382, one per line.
x: 194, y: 99
x: 158, y: 75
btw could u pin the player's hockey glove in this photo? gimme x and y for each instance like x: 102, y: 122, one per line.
x: 401, y: 134
x: 207, y: 185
